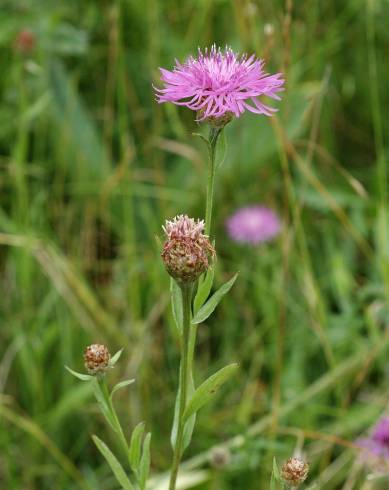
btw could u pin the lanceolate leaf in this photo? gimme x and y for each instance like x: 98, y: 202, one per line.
x: 206, y: 310
x: 116, y: 467
x: 120, y: 385
x: 82, y: 377
x: 145, y: 462
x: 135, y: 446
x: 275, y: 476
x: 207, y: 389
x: 176, y: 298
x: 204, y: 289
x: 115, y: 358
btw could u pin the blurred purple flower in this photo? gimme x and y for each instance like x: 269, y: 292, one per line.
x: 216, y: 83
x: 376, y: 447
x: 253, y: 225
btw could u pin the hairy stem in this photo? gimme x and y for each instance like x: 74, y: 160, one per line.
x: 186, y: 291
x: 214, y: 134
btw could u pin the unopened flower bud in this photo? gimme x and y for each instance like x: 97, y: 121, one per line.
x: 187, y: 251
x: 219, y: 457
x: 96, y: 357
x: 294, y: 471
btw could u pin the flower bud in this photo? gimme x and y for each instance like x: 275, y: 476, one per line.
x: 187, y: 251
x: 219, y: 457
x: 96, y: 357
x: 294, y: 471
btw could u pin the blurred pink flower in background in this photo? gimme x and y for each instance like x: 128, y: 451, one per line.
x: 376, y: 446
x: 219, y: 82
x: 253, y: 225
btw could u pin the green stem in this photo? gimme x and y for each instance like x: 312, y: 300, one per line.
x: 186, y: 291
x: 214, y: 134
x: 117, y: 426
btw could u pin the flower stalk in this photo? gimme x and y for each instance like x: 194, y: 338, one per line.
x: 214, y: 133
x: 102, y: 385
x: 185, y: 372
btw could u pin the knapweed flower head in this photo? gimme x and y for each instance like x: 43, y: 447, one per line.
x: 294, y: 471
x: 187, y: 251
x: 376, y: 447
x: 96, y: 358
x: 220, y: 84
x: 253, y: 225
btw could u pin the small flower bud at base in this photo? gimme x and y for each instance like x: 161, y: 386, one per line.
x: 294, y: 471
x: 96, y: 357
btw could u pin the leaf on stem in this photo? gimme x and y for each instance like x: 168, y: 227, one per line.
x: 206, y: 310
x: 275, y: 476
x: 82, y: 377
x: 120, y: 385
x: 114, y: 359
x: 176, y: 298
x: 207, y: 389
x: 135, y: 446
x: 205, y: 286
x: 144, y: 467
x: 114, y: 464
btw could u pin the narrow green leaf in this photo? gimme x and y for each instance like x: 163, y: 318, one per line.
x: 120, y: 385
x: 221, y: 150
x: 114, y: 464
x: 275, y: 476
x: 205, y: 391
x: 114, y: 359
x: 173, y: 435
x: 176, y: 298
x: 135, y: 446
x: 82, y: 377
x: 190, y: 423
x: 209, y: 307
x: 144, y: 466
x: 203, y: 290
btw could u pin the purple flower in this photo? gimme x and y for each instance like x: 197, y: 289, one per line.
x: 253, y: 225
x: 217, y: 83
x: 376, y: 447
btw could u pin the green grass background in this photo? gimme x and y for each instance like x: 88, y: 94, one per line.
x: 91, y: 166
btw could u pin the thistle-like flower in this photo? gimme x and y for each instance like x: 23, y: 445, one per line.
x: 96, y: 357
x: 294, y: 471
x: 220, y: 84
x: 253, y: 225
x: 187, y: 251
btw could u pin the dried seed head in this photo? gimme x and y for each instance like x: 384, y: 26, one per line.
x: 220, y: 457
x: 187, y: 251
x: 294, y: 471
x: 96, y: 357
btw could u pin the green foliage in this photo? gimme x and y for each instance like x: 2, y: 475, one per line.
x: 114, y: 464
x: 209, y: 307
x: 207, y: 389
